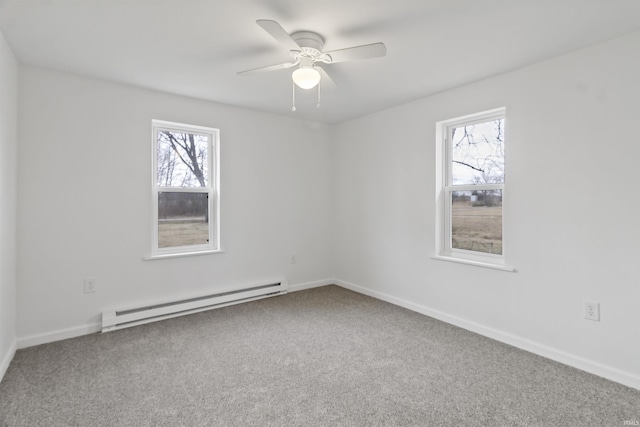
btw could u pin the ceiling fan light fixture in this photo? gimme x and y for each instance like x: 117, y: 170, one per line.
x: 306, y: 78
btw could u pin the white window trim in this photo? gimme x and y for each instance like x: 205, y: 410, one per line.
x: 444, y: 251
x: 212, y: 190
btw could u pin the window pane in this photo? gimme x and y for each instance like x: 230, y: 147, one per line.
x: 478, y: 153
x: 476, y: 221
x: 183, y: 219
x: 182, y: 159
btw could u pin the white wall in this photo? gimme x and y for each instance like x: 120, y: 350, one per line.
x: 85, y: 201
x: 8, y: 202
x: 572, y: 208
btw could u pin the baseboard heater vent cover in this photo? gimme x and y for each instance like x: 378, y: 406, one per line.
x: 119, y: 319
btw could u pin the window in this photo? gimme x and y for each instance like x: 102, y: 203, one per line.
x: 185, y: 189
x: 471, y: 187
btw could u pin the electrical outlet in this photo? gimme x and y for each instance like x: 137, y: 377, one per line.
x: 89, y: 285
x: 592, y: 310
x: 293, y: 259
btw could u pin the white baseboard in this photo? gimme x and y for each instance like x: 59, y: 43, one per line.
x: 309, y: 285
x: 6, y: 360
x: 610, y: 373
x: 60, y: 334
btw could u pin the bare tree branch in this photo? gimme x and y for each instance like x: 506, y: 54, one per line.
x: 468, y: 165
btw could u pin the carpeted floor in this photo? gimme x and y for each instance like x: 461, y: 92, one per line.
x: 320, y: 357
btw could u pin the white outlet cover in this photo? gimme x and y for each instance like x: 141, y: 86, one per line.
x: 592, y: 310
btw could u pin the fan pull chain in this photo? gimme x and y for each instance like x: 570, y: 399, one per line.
x: 318, y: 104
x: 293, y: 89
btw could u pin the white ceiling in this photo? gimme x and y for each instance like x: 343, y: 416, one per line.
x: 195, y: 47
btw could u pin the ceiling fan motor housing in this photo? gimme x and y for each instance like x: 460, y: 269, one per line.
x: 307, y: 39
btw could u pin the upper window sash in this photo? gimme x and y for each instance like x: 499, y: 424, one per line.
x: 465, y: 170
x: 208, y: 138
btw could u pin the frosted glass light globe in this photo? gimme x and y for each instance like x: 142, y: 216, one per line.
x: 306, y: 78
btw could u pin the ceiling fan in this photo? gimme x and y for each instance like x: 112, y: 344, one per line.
x: 305, y: 48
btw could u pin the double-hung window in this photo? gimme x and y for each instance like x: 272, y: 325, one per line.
x: 471, y: 188
x: 185, y: 189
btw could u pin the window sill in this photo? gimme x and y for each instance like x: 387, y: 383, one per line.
x: 475, y: 263
x: 180, y: 254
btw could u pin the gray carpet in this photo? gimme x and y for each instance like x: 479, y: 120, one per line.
x: 320, y: 357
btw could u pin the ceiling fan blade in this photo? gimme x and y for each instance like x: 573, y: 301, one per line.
x: 325, y: 79
x: 278, y: 33
x: 366, y: 51
x: 268, y: 68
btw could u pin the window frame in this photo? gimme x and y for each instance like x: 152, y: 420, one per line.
x: 445, y: 188
x: 212, y: 190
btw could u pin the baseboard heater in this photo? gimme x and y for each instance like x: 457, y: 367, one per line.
x: 119, y: 319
